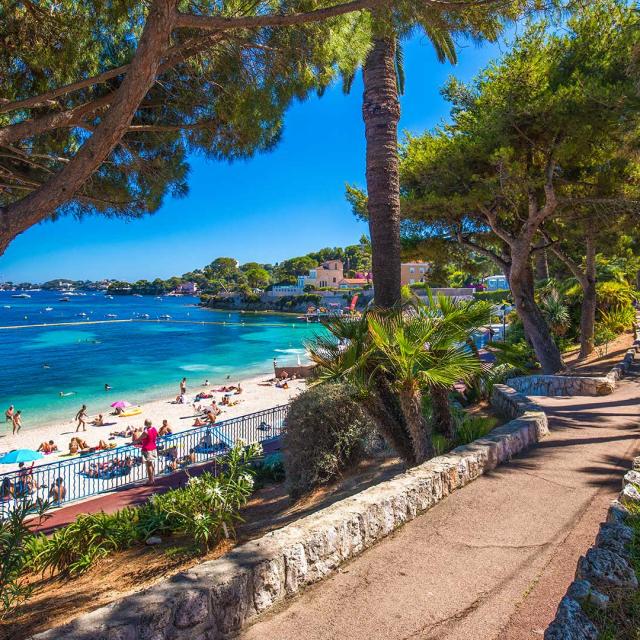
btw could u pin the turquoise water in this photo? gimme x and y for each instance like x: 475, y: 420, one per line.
x: 140, y: 360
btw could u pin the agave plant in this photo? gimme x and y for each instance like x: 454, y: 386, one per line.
x: 394, y: 356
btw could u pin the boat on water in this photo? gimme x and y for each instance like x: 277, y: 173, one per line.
x: 165, y: 316
x: 109, y: 297
x: 137, y: 295
x: 7, y: 306
x: 48, y: 308
x: 82, y: 315
x: 144, y: 316
x: 65, y: 299
x: 111, y: 315
x: 20, y: 295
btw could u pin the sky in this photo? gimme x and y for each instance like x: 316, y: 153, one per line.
x: 277, y: 205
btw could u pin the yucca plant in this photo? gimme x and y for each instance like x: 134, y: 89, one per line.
x: 394, y: 356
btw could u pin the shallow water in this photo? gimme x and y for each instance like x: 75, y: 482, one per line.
x: 139, y: 360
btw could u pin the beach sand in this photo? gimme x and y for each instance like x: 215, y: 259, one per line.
x: 256, y: 395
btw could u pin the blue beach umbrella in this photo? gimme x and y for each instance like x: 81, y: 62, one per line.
x: 20, y: 455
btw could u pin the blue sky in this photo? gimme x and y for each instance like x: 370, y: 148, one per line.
x: 277, y: 205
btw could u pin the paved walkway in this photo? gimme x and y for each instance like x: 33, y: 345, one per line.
x: 492, y: 560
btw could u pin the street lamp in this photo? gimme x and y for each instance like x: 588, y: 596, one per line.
x: 504, y: 308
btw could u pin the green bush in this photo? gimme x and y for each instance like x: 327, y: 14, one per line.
x: 205, y: 510
x: 497, y: 296
x: 618, y: 319
x: 15, y: 541
x: 324, y: 435
x: 467, y: 429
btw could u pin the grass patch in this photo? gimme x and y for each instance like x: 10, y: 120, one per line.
x: 621, y: 620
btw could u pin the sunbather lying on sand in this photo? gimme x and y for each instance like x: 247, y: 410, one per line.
x: 48, y: 447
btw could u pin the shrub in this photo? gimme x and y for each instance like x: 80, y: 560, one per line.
x: 15, y: 538
x: 618, y: 319
x: 205, y: 510
x: 497, y: 296
x: 324, y: 434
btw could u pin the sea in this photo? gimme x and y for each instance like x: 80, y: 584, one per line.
x: 50, y: 347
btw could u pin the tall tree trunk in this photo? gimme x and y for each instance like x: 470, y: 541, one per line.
x: 381, y: 113
x: 588, y: 308
x: 384, y: 408
x: 535, y: 326
x: 418, y: 428
x: 441, y: 410
x: 541, y: 264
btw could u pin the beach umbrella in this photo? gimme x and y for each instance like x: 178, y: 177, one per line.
x: 121, y: 404
x: 20, y: 455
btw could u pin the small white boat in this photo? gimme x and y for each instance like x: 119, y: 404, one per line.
x: 48, y: 308
x: 82, y: 315
x: 20, y: 295
x: 137, y: 295
x: 109, y: 297
x: 158, y: 298
x: 165, y: 316
x: 111, y: 315
x: 144, y: 316
x: 65, y: 299
x: 7, y: 306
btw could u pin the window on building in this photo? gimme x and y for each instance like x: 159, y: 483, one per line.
x: 412, y: 281
x: 421, y: 269
x: 412, y: 270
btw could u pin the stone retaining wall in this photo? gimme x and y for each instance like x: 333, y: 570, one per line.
x: 575, y: 385
x: 217, y: 598
x: 606, y: 564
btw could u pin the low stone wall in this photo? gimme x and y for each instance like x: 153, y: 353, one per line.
x: 217, y: 598
x: 576, y: 385
x: 606, y: 564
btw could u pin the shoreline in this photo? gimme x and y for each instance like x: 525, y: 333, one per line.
x: 256, y: 395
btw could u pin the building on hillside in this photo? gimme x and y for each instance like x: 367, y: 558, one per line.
x: 187, y: 289
x: 493, y: 283
x: 413, y: 272
x: 353, y: 283
x: 281, y: 290
x: 328, y: 274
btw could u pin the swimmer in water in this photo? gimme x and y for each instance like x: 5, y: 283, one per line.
x: 46, y: 366
x: 68, y: 393
x: 107, y: 387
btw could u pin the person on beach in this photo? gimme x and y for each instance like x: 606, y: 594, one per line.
x: 99, y: 421
x: 48, y: 447
x: 17, y: 422
x: 165, y: 429
x: 206, y: 383
x: 183, y: 386
x: 81, y: 417
x: 58, y: 492
x: 149, y: 449
x: 8, y: 414
x: 26, y: 481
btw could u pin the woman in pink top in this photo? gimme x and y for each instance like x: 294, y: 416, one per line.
x: 149, y: 449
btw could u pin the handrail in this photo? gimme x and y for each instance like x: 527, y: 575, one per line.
x: 112, y: 469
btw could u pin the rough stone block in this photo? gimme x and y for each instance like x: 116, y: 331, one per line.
x: 630, y: 494
x: 603, y: 566
x: 192, y: 609
x: 571, y: 623
x: 617, y: 512
x: 583, y: 591
x: 631, y: 477
x: 615, y: 537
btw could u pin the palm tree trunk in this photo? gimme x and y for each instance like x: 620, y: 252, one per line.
x: 441, y: 409
x: 381, y: 113
x: 419, y: 429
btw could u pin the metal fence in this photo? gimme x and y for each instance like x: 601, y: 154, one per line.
x: 104, y: 471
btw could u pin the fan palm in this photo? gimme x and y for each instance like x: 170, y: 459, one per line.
x: 396, y: 354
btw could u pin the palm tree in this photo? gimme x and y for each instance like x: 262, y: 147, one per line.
x: 383, y: 78
x: 395, y: 355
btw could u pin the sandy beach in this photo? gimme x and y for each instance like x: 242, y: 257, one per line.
x: 257, y: 394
